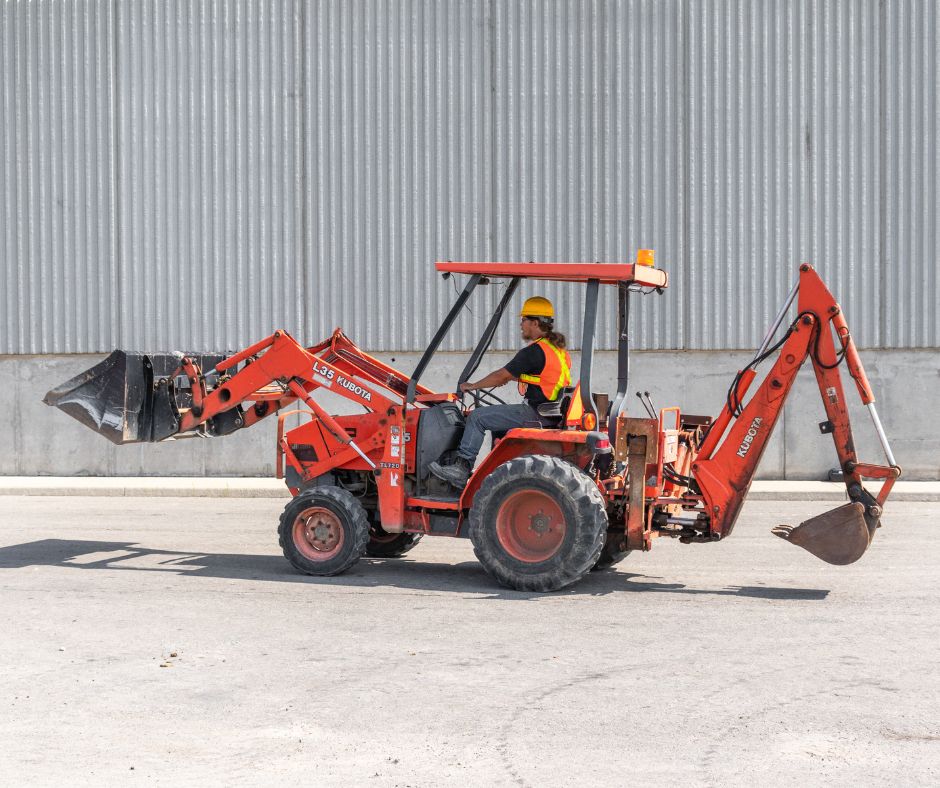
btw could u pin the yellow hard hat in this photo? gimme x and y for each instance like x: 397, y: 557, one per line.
x: 537, y: 307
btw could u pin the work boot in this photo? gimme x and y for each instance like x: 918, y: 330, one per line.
x: 455, y: 474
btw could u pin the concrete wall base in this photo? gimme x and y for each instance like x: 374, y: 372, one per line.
x: 38, y: 440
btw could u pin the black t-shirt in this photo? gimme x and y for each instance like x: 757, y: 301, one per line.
x: 529, y: 361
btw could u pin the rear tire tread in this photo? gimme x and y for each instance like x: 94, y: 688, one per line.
x: 589, y: 522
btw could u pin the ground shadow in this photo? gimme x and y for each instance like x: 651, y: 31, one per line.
x: 465, y: 577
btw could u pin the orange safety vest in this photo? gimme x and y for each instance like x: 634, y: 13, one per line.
x: 555, y: 375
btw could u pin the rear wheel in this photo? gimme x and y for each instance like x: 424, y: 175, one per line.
x: 323, y: 531
x: 538, y: 523
x: 382, y: 544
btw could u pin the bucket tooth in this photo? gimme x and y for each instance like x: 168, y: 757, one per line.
x: 840, y: 536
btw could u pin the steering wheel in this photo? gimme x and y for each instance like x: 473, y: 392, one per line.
x: 483, y: 397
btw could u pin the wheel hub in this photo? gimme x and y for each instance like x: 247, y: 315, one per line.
x: 540, y: 523
x: 318, y: 533
x: 530, y: 526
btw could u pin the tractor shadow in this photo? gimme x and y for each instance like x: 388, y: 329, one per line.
x: 467, y: 577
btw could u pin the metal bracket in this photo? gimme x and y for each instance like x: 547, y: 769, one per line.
x: 628, y: 427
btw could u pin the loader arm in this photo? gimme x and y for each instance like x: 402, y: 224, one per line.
x: 286, y: 372
x: 134, y: 397
x: 723, y: 472
x: 280, y: 372
x: 124, y: 399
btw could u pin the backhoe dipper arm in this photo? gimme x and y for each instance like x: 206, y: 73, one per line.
x: 724, y: 474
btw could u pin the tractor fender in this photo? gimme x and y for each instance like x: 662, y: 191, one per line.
x: 576, y: 446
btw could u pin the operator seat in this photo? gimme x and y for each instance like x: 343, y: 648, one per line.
x: 552, y: 414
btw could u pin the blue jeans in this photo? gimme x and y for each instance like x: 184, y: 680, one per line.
x: 495, y: 418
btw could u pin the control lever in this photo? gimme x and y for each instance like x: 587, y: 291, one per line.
x: 649, y: 408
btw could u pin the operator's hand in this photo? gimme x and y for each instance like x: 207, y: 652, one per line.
x: 465, y: 387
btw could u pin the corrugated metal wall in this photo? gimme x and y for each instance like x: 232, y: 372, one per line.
x: 58, y: 260
x: 910, y: 206
x: 194, y: 174
x: 209, y: 171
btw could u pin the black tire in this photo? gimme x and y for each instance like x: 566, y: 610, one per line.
x: 382, y: 544
x: 323, y: 531
x: 544, y: 492
x: 612, y: 553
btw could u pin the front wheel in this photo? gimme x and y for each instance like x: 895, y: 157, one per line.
x: 538, y: 523
x: 323, y: 531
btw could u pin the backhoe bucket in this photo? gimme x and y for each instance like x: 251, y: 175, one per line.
x: 840, y: 536
x: 118, y: 399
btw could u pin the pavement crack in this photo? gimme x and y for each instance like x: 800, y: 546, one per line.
x: 502, y: 746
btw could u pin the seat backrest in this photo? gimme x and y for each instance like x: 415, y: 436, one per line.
x: 558, y: 409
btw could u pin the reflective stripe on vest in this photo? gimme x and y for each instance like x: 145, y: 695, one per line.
x: 555, y: 375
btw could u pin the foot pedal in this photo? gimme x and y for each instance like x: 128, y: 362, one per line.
x: 840, y: 536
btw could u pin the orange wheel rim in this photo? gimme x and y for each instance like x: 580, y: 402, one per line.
x: 530, y: 526
x: 318, y: 533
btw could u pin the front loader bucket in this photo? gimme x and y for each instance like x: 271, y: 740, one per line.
x: 840, y: 536
x: 118, y: 399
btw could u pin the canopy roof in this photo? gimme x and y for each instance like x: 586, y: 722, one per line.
x: 607, y: 273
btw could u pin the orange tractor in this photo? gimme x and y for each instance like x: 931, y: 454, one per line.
x: 577, y: 490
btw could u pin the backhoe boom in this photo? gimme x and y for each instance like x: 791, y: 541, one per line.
x: 724, y: 474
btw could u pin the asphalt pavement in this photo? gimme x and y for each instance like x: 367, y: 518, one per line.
x: 261, y: 487
x: 165, y: 641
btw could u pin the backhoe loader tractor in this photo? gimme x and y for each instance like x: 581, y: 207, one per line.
x: 580, y: 489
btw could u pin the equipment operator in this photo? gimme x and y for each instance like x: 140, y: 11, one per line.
x: 543, y: 370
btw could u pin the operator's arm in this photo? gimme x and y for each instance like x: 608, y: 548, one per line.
x: 495, y: 379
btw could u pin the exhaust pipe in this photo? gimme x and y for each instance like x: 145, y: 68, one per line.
x: 127, y: 397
